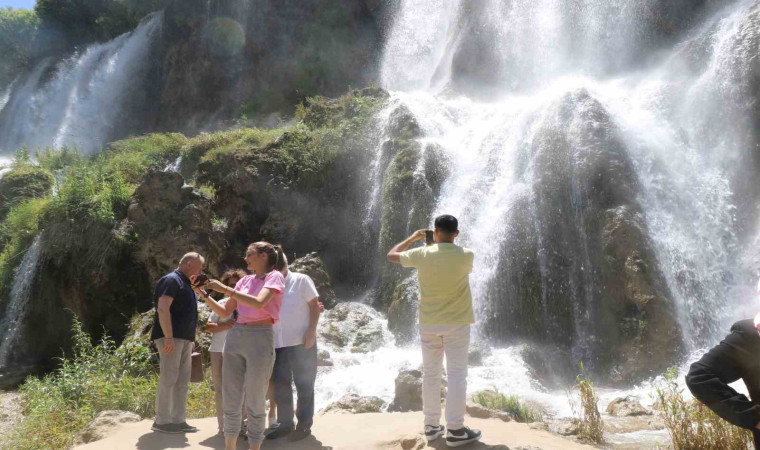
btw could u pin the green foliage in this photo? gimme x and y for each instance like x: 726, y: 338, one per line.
x: 590, y: 425
x: 131, y: 158
x: 693, y: 426
x: 18, y: 30
x: 90, y: 20
x: 493, y: 399
x: 16, y: 234
x: 93, y: 378
x: 22, y: 182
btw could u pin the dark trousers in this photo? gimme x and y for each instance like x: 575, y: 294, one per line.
x: 297, y: 365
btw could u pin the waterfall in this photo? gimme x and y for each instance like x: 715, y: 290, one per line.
x: 681, y: 116
x: 18, y: 305
x: 82, y: 100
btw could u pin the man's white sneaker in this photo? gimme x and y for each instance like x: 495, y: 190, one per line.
x: 462, y: 436
x: 432, y: 433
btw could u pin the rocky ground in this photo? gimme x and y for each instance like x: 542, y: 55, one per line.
x: 342, y: 432
x: 10, y: 411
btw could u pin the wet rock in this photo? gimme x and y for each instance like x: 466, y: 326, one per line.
x: 411, y: 185
x: 323, y: 359
x: 632, y: 424
x: 563, y: 427
x: 403, y: 124
x: 627, y: 406
x: 313, y: 266
x: 353, y: 326
x: 481, y: 412
x: 104, y: 423
x: 408, y: 394
x: 579, y: 247
x: 478, y: 352
x: 402, y: 314
x: 167, y: 219
x: 355, y: 404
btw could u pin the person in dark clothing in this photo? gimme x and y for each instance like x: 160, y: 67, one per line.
x: 176, y: 318
x: 737, y: 356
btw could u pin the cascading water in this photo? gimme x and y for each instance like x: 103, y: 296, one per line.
x: 592, y: 75
x: 18, y: 305
x: 80, y: 101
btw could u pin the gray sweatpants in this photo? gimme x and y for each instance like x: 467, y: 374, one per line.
x: 248, y: 359
x: 174, y: 376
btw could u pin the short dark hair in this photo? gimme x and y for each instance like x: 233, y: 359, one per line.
x: 447, y: 223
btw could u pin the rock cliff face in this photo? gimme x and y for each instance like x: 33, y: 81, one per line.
x: 578, y: 272
x: 263, y: 56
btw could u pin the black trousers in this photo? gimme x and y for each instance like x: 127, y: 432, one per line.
x: 297, y: 365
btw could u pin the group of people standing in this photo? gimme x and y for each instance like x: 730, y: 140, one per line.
x: 265, y: 335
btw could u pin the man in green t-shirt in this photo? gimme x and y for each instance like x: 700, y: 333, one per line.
x: 445, y: 316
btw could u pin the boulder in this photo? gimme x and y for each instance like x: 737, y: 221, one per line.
x: 481, y: 412
x: 103, y: 424
x: 626, y: 406
x: 478, y: 352
x: 408, y: 394
x: 355, y: 404
x: 323, y: 359
x: 402, y: 314
x: 313, y: 266
x: 352, y: 326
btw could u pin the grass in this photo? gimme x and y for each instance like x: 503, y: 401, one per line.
x: 92, y: 379
x: 693, y: 426
x: 493, y: 399
x: 588, y: 419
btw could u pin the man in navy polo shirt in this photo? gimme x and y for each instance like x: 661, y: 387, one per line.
x: 174, y: 326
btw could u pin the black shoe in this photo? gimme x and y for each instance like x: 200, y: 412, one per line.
x: 434, y: 432
x: 462, y: 436
x: 299, y: 433
x: 281, y: 431
x: 171, y: 428
x: 185, y: 427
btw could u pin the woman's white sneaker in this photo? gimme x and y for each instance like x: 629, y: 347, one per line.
x: 432, y: 433
x: 462, y: 436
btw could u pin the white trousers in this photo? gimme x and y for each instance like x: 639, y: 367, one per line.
x: 454, y: 342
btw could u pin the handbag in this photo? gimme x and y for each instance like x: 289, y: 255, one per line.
x: 196, y: 368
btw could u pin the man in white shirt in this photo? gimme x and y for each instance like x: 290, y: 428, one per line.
x: 295, y: 337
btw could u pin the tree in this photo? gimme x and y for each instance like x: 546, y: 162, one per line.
x: 18, y: 30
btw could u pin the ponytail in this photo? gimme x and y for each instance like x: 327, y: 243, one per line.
x: 275, y: 257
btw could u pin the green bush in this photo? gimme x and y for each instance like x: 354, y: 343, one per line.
x: 18, y: 30
x: 693, y: 426
x: 23, y: 182
x: 93, y: 378
x: 16, y: 234
x: 493, y: 399
x: 130, y: 158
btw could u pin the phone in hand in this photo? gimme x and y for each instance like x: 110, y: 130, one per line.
x: 429, y: 238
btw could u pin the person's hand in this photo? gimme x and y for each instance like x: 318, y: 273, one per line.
x: 168, y: 346
x: 217, y: 286
x: 212, y: 327
x: 309, y: 339
x: 321, y: 307
x: 418, y: 235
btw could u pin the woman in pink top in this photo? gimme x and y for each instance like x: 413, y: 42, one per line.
x: 248, y: 354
